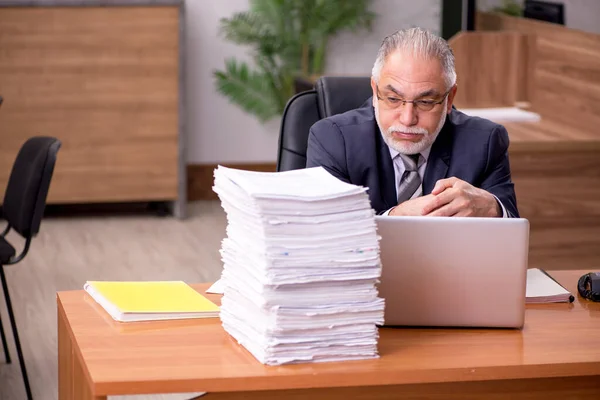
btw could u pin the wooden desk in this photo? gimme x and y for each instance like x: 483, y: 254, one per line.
x: 556, y: 355
x: 556, y: 171
x: 555, y: 163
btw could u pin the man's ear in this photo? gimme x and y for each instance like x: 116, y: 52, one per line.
x: 451, y: 98
x: 374, y: 87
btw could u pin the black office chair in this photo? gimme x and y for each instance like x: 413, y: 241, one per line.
x: 23, y: 208
x: 332, y: 95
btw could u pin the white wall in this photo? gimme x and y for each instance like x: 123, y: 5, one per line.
x: 579, y: 14
x: 351, y: 54
x: 216, y: 130
x: 219, y: 132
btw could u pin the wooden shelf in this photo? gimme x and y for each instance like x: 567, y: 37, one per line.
x: 106, y: 82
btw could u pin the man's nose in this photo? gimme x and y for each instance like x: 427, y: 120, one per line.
x: 408, y: 115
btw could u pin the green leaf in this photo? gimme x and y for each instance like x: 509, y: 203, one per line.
x: 287, y: 39
x: 247, y: 28
x: 248, y: 89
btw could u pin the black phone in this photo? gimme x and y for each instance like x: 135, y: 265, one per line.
x: 589, y: 286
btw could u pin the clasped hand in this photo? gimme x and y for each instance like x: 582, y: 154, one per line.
x: 451, y: 197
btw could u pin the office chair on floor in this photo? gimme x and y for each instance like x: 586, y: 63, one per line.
x: 332, y: 95
x: 23, y: 208
x: 2, y: 336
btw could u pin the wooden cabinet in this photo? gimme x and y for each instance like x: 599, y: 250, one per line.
x: 105, y: 80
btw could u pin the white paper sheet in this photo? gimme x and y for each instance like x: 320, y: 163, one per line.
x: 502, y: 114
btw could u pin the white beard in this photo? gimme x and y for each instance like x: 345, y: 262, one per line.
x: 405, y: 146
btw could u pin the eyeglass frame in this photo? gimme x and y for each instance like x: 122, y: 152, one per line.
x: 414, y: 102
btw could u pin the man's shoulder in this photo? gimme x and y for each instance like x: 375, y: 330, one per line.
x: 476, y: 130
x: 358, y: 119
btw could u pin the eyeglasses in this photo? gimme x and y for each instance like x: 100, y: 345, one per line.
x: 394, y: 103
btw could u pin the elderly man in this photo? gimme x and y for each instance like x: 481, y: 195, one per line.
x: 416, y: 153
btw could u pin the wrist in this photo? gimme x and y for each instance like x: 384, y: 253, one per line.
x: 496, y: 209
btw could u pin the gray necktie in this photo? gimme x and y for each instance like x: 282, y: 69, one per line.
x: 411, y: 180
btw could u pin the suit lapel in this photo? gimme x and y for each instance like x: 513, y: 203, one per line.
x: 439, y: 158
x: 387, y: 179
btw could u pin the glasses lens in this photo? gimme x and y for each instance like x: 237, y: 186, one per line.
x: 424, y: 105
x: 394, y: 104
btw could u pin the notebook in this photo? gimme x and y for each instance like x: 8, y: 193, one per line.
x: 542, y: 288
x: 150, y: 301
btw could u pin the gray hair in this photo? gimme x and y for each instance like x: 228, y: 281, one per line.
x: 419, y: 42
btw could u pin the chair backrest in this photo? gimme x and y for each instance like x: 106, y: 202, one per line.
x: 27, y: 189
x: 332, y: 95
x: 336, y: 95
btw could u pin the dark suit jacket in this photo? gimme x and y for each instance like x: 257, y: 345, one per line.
x: 351, y: 148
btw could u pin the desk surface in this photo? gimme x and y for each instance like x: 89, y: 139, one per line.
x: 548, y: 135
x: 197, y: 355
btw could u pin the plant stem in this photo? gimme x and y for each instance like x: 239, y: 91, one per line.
x: 318, y: 58
x: 305, y: 50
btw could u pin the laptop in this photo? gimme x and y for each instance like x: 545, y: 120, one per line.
x: 453, y: 272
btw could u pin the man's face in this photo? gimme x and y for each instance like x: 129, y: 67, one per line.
x: 410, y: 128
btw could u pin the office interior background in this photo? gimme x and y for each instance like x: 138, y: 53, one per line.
x: 95, y: 228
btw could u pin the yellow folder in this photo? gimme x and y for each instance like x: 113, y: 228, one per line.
x: 150, y: 301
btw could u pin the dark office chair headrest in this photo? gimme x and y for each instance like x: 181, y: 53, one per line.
x: 332, y: 95
x: 28, y: 184
x: 336, y: 95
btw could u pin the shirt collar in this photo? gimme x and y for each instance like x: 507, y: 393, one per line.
x: 425, y: 153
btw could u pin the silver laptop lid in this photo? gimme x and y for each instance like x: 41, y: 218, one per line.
x: 456, y: 272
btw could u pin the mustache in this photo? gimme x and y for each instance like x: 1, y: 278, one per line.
x: 415, y: 130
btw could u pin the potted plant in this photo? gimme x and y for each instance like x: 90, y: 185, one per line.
x: 510, y: 7
x: 289, y: 40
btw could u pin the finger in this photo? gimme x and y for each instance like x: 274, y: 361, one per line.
x: 459, y: 207
x: 443, y: 184
x: 447, y: 210
x: 440, y: 200
x: 464, y: 212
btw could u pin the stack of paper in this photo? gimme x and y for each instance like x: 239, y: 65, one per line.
x: 301, y: 261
